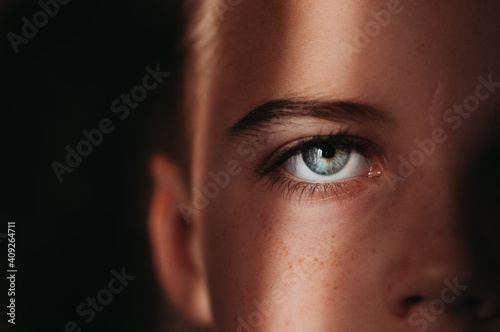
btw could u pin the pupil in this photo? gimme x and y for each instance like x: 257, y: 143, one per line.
x: 327, y: 151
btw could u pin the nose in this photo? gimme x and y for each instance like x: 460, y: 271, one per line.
x: 438, y: 270
x: 428, y: 296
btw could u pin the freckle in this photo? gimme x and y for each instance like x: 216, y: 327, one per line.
x: 301, y: 260
x: 315, y: 259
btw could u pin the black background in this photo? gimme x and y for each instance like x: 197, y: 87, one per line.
x: 70, y: 235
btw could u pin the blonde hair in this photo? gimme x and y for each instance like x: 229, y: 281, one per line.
x: 199, y: 43
x: 198, y: 48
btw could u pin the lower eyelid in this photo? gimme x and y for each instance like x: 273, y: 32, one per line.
x: 340, y: 191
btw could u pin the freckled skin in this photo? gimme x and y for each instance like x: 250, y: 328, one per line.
x: 354, y: 264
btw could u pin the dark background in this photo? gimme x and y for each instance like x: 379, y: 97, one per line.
x: 70, y: 235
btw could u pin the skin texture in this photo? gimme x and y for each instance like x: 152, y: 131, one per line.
x: 375, y: 253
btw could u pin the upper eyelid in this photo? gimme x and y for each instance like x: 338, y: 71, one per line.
x: 296, y: 147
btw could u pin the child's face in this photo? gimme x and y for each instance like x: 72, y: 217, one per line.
x: 371, y: 202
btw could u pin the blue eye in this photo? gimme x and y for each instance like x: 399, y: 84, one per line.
x: 326, y: 159
x: 326, y: 162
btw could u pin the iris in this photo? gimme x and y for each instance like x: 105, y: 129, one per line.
x: 326, y: 159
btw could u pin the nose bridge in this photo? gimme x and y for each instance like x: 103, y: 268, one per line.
x: 435, y: 215
x: 433, y: 248
x: 449, y: 218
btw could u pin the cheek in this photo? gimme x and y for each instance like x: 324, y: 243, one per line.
x: 299, y: 259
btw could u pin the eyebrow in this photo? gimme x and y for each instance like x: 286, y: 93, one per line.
x: 263, y: 115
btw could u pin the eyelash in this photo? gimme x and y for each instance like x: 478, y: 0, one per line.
x: 288, y: 187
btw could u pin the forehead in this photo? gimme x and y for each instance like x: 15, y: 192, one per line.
x: 427, y: 54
